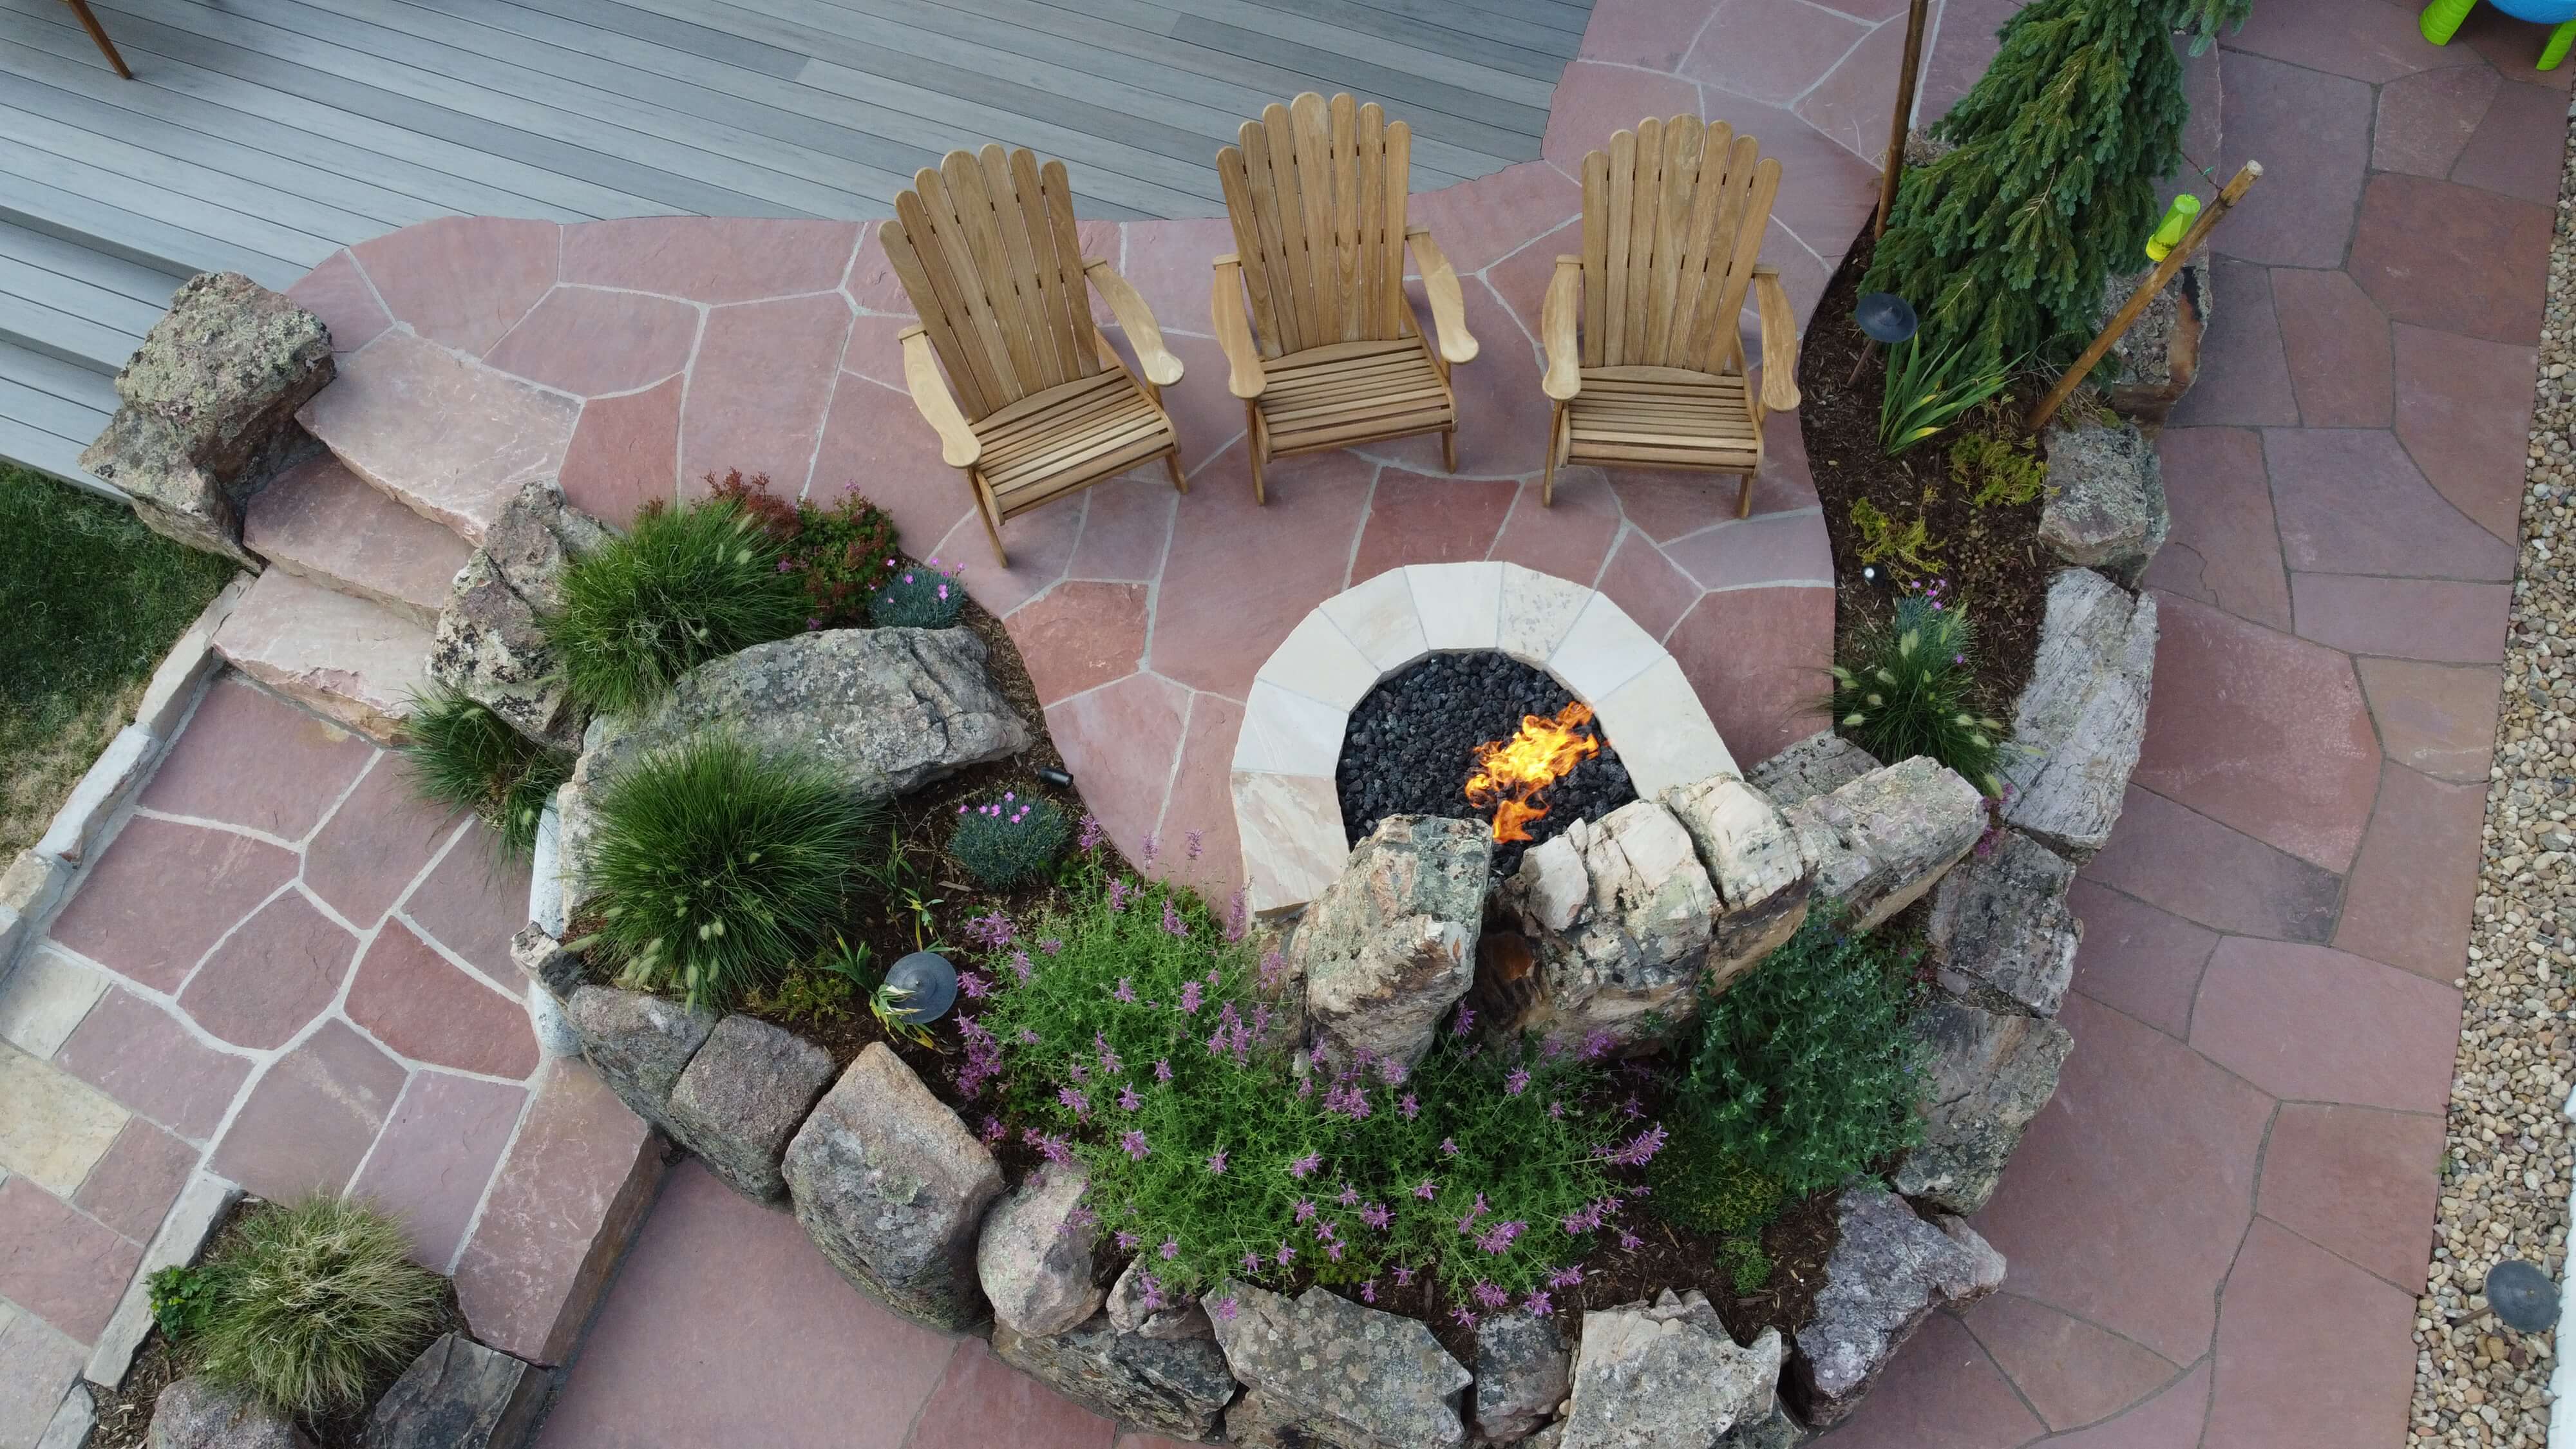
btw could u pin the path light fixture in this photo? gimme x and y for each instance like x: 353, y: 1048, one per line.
x: 1885, y: 319
x: 2522, y: 1296
x: 921, y: 987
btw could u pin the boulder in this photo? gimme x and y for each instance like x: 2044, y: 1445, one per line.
x: 458, y: 1395
x: 1523, y: 1370
x: 1751, y: 856
x: 1773, y: 1430
x: 639, y: 1044
x: 192, y: 1414
x: 2082, y: 717
x: 1999, y: 928
x: 1618, y: 914
x: 1820, y: 764
x: 1666, y: 1376
x: 1389, y: 945
x: 743, y: 1096
x: 1034, y: 1258
x: 1888, y: 1271
x: 546, y: 961
x: 2106, y: 500
x: 1340, y: 1372
x: 2158, y: 358
x: 1990, y: 1072
x: 1877, y: 843
x: 893, y: 1188
x: 488, y: 645
x: 1130, y: 1311
x: 208, y: 408
x: 1174, y: 1387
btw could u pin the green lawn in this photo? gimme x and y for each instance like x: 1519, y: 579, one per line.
x: 91, y: 600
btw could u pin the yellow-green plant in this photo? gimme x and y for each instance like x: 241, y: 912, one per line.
x: 1998, y: 471
x: 312, y: 1306
x: 1905, y: 550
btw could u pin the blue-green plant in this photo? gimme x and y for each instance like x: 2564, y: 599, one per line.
x: 1908, y: 687
x: 312, y: 1306
x: 683, y: 586
x: 1010, y: 841
x: 923, y: 596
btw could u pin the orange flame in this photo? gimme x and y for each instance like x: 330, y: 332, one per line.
x: 1509, y: 774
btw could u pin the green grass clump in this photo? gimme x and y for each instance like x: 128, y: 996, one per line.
x: 1908, y: 689
x: 464, y: 756
x: 309, y: 1307
x: 924, y: 596
x: 684, y: 586
x: 716, y: 866
x: 1009, y: 841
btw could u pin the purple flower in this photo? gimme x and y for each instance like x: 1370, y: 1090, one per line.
x: 1128, y: 1101
x: 992, y: 930
x: 1216, y: 1162
x: 1327, y: 1230
x: 1498, y: 1238
x: 1556, y: 1110
x: 974, y: 985
x: 992, y: 1132
x: 1376, y: 1216
x: 1409, y: 1107
x: 1124, y: 992
x: 1305, y: 1164
x: 1428, y: 1190
x: 1173, y: 925
x: 1051, y: 945
x: 1467, y: 1223
x: 1287, y: 1254
x: 1108, y: 1056
x: 1629, y: 1242
x: 1151, y: 850
x: 1028, y: 1037
x: 1464, y: 1317
x: 1368, y: 1290
x: 1304, y: 1209
x: 1196, y: 839
x: 1252, y: 1262
x: 1333, y: 1251
x: 1073, y: 1099
x: 1127, y: 1241
x: 1274, y: 966
x: 1237, y: 917
x: 1189, y: 1003
x: 1021, y: 966
x: 1171, y: 1249
x: 1465, y: 1020
x: 1517, y: 1082
x: 1350, y: 1196
x: 1491, y: 1296
x: 1537, y: 1304
x: 1133, y: 1144
x: 1163, y: 1071
x: 1448, y: 1146
x: 1225, y: 1307
x: 1403, y: 1276
x: 1117, y: 894
x: 1641, y: 1149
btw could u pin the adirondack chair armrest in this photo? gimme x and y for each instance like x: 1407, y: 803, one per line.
x: 1244, y: 377
x: 958, y: 445
x: 1779, y: 341
x: 1556, y: 328
x: 1135, y: 319
x: 1448, y: 304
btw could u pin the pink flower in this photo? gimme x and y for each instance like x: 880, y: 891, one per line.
x: 974, y: 985
x: 1565, y: 1278
x: 1517, y: 1082
x: 1225, y: 1309
x: 1376, y: 1216
x: 1133, y: 1144
x: 1127, y: 1241
x: 1409, y: 1107
x: 1128, y: 1101
x: 1287, y: 1254
x: 1216, y: 1162
x: 1350, y: 1196
x: 1448, y: 1146
x: 1464, y: 1317
x: 1117, y: 894
x: 1073, y: 1099
x: 1465, y: 1020
x: 1491, y: 1296
x: 1163, y: 1071
x: 1171, y: 1249
x: 1427, y: 1191
x: 1305, y: 1164
x: 1368, y: 1291
x: 1403, y: 1276
x: 1173, y: 925
x: 1252, y: 1262
x: 1189, y: 994
x: 1304, y: 1209
x: 1021, y: 966
x: 1090, y: 835
x: 1125, y: 991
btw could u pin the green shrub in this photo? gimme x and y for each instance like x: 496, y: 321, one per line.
x: 1907, y: 689
x: 465, y: 757
x: 683, y: 586
x: 1005, y: 842
x: 1804, y: 1072
x: 179, y: 1295
x: 311, y: 1306
x: 842, y: 553
x: 923, y: 596
x: 1997, y: 471
x: 1748, y: 1267
x: 715, y: 866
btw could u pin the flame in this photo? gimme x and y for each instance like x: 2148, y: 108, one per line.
x: 1509, y: 774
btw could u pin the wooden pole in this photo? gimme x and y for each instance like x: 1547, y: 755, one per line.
x: 2127, y: 316
x: 1903, y: 120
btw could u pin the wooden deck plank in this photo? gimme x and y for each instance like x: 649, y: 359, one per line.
x: 130, y: 280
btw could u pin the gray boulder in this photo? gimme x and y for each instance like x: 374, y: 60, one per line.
x: 2106, y: 502
x: 208, y: 408
x: 1999, y: 928
x: 1820, y: 764
x: 2156, y: 361
x: 488, y: 645
x: 1666, y: 1376
x: 1340, y: 1372
x: 1990, y: 1073
x: 1888, y: 1271
x: 1877, y: 843
x: 192, y: 1414
x: 1618, y: 914
x: 1130, y: 1312
x: 1523, y: 1370
x: 1173, y: 1387
x: 459, y: 1395
x: 639, y: 1044
x: 1390, y: 945
x: 1773, y: 1430
x: 892, y: 1187
x: 546, y: 961
x: 2083, y: 716
x: 1751, y: 856
x: 743, y: 1096
x: 1034, y: 1258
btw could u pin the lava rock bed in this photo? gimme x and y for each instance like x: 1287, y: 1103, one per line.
x: 1412, y: 742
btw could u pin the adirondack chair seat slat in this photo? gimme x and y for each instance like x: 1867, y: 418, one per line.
x: 1401, y: 389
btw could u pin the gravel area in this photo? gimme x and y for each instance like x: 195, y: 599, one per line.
x: 2505, y: 1169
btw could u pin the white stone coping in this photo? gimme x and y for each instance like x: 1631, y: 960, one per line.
x: 1286, y: 808
x: 190, y: 1221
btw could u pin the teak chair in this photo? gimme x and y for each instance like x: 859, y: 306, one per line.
x: 1331, y: 354
x: 1036, y: 405
x: 1673, y: 216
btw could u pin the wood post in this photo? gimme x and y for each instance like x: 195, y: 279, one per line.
x: 98, y: 34
x: 1903, y: 121
x: 2127, y: 316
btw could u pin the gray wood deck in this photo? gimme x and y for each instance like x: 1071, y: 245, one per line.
x: 260, y: 135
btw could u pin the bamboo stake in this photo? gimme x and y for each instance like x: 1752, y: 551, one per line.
x: 2127, y: 316
x: 1903, y: 121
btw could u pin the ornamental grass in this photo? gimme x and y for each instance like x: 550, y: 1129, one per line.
x: 1909, y: 688
x: 311, y: 1307
x: 683, y: 586
x: 465, y: 757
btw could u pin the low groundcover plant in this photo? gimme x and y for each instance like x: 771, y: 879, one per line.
x: 918, y: 596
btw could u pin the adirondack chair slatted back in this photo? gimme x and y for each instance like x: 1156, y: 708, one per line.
x: 1316, y: 193
x: 985, y: 247
x: 1673, y: 216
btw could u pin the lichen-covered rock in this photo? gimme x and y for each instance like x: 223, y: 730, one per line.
x: 1340, y: 1372
x: 208, y: 412
x: 192, y: 1414
x: 1618, y: 913
x: 2158, y: 358
x: 1877, y: 843
x: 1666, y: 1376
x: 2106, y: 500
x: 1990, y: 1073
x: 1820, y: 764
x: 1173, y: 1387
x: 1034, y: 1258
x: 639, y: 1044
x: 488, y: 645
x: 1751, y: 856
x: 1772, y: 1430
x: 546, y: 961
x: 893, y: 1188
x: 2083, y: 716
x: 1888, y: 1271
x: 1390, y: 944
x: 1149, y: 1311
x: 1999, y: 928
x: 743, y: 1096
x: 458, y: 1395
x: 1523, y: 1370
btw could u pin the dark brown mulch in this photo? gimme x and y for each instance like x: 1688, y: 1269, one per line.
x: 1992, y: 557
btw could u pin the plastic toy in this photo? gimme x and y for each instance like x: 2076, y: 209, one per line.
x: 2441, y: 20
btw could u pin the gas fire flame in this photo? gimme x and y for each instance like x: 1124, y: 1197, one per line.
x: 1510, y: 774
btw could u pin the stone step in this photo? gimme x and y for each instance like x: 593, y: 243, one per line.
x: 322, y: 523
x: 354, y: 661
x: 443, y: 435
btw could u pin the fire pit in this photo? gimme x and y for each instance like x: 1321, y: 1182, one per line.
x: 1321, y: 691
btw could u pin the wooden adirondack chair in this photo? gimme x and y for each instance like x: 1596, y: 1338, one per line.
x: 1036, y: 405
x: 1331, y: 353
x: 1644, y: 358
